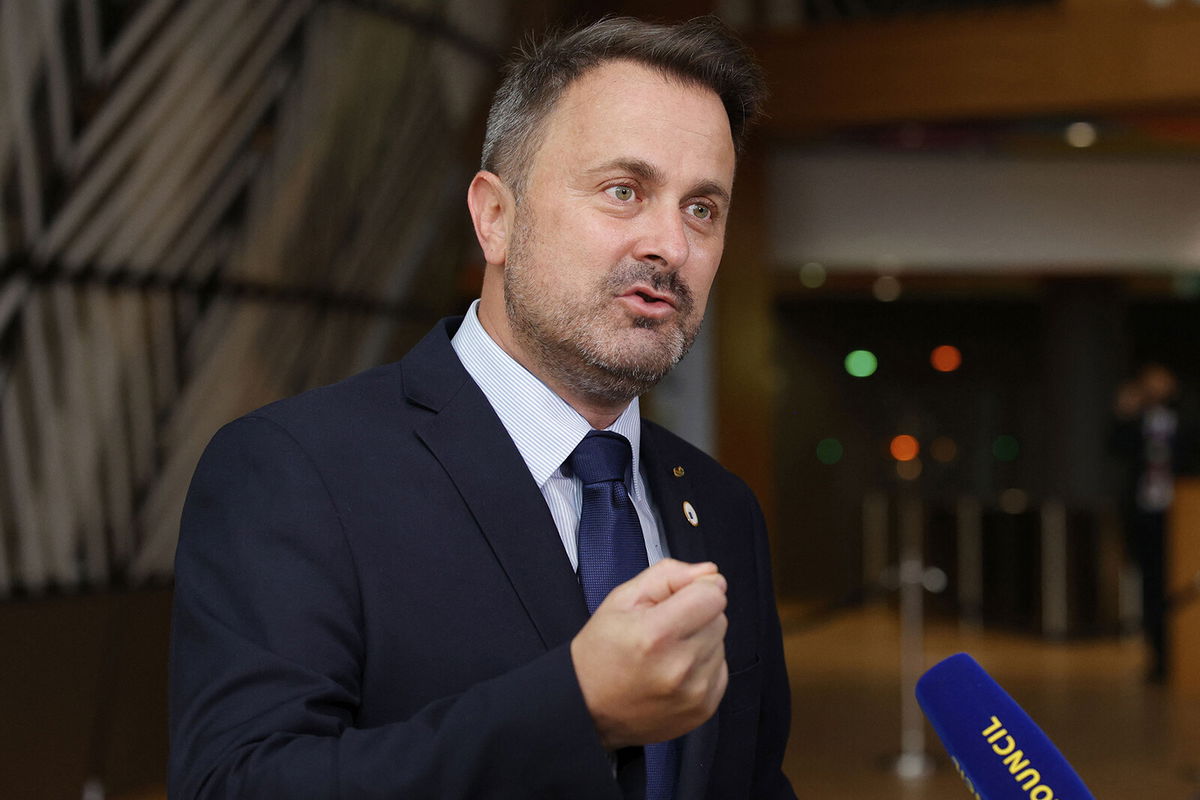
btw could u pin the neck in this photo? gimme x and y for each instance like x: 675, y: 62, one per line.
x: 598, y: 416
x: 598, y: 411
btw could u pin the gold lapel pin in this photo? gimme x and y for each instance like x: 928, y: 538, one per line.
x: 689, y: 513
x: 677, y: 472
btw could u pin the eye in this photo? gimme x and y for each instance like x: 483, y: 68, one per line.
x: 622, y: 193
x: 700, y: 211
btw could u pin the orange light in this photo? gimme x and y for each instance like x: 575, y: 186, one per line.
x: 909, y: 470
x: 945, y: 358
x: 904, y: 448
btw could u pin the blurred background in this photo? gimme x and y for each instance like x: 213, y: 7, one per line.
x: 953, y: 346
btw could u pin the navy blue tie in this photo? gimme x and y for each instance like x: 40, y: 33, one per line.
x: 611, y: 551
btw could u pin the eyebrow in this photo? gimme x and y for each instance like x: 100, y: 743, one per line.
x: 645, y: 171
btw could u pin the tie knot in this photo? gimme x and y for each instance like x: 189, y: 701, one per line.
x: 601, y: 456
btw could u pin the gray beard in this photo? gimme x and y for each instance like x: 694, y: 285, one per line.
x: 573, y: 345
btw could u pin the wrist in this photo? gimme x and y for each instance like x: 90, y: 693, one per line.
x: 590, y: 688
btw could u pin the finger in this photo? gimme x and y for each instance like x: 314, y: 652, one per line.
x: 720, y: 684
x: 710, y: 658
x: 716, y: 579
x: 712, y: 679
x: 708, y: 642
x: 655, y: 584
x: 682, y: 574
x: 686, y: 612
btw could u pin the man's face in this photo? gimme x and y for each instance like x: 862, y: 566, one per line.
x: 618, y: 235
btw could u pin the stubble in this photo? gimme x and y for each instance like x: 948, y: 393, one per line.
x: 586, y: 343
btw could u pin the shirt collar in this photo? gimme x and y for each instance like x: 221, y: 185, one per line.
x: 544, y: 427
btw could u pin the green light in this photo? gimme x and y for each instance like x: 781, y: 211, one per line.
x: 829, y: 451
x: 1006, y: 448
x: 861, y: 363
x: 812, y: 275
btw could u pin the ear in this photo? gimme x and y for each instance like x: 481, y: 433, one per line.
x: 491, y: 205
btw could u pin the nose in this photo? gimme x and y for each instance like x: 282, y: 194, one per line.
x: 664, y: 238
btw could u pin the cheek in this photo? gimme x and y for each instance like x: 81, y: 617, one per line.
x: 583, y: 240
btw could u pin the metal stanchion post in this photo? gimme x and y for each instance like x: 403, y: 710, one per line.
x: 913, y: 761
x: 969, y: 516
x: 1054, y: 568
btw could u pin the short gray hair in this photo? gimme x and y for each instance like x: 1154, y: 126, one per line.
x: 702, y: 51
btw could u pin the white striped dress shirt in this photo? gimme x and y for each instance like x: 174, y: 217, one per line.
x: 546, y: 430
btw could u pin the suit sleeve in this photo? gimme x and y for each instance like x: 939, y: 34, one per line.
x: 775, y: 715
x: 267, y: 654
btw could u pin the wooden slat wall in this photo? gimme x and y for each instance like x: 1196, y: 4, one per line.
x: 156, y: 156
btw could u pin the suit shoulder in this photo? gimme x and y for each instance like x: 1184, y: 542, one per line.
x: 422, y: 380
x: 370, y: 393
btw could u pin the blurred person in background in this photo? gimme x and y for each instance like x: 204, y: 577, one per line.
x: 1155, y: 445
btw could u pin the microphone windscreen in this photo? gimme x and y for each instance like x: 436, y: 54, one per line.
x: 999, y: 751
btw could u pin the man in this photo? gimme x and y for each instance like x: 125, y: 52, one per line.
x: 1156, y: 446
x: 399, y: 586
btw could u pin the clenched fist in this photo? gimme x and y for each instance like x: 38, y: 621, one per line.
x: 651, y: 660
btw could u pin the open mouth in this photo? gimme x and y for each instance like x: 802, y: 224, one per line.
x: 652, y: 298
x: 649, y: 298
x: 647, y: 304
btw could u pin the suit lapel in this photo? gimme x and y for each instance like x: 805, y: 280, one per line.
x: 469, y: 441
x: 686, y: 542
x: 671, y: 487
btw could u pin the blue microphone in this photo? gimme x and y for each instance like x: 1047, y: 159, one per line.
x: 999, y: 751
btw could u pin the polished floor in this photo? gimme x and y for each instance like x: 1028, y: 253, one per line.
x: 1127, y: 740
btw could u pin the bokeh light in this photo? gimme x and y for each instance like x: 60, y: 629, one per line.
x: 943, y: 449
x: 886, y: 288
x: 1081, y: 134
x: 812, y: 275
x: 909, y: 470
x: 830, y: 451
x: 946, y: 358
x: 1006, y: 448
x: 861, y: 363
x: 904, y: 447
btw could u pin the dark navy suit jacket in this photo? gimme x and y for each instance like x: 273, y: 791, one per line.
x: 372, y: 601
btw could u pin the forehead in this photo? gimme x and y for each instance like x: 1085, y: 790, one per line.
x: 622, y: 109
